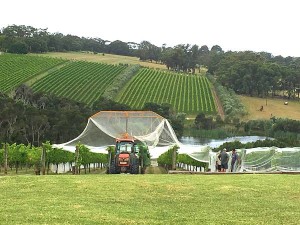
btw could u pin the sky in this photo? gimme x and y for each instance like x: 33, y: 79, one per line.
x: 235, y: 25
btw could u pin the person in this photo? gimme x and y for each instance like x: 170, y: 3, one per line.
x: 224, y: 160
x: 234, y: 160
x: 261, y: 108
x: 218, y: 161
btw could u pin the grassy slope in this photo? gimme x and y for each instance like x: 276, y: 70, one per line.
x: 275, y: 107
x: 150, y: 199
x: 107, y: 58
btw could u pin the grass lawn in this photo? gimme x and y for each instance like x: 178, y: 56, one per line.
x: 150, y: 199
x: 274, y: 106
x: 106, y: 58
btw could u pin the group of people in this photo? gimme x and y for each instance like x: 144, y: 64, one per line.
x: 222, y: 160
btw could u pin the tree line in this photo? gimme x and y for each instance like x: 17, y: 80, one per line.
x: 33, y: 118
x: 251, y: 73
x: 27, y: 39
x: 257, y: 74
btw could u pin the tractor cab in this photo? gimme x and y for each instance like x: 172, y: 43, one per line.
x: 125, y: 145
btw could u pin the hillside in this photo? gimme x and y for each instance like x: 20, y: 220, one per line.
x: 102, y: 58
x: 17, y: 69
x: 186, y: 93
x: 86, y: 81
x: 80, y: 81
x: 56, y: 73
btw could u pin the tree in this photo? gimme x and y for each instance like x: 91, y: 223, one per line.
x: 199, y: 120
x: 36, y: 44
x: 164, y: 110
x: 18, y: 47
x: 55, y: 42
x: 36, y: 126
x: 9, y: 117
x: 194, y: 58
x: 108, y: 104
x: 166, y: 58
x: 203, y: 55
x: 148, y: 51
x: 24, y: 94
x: 119, y: 48
x: 215, y: 57
x: 71, y: 43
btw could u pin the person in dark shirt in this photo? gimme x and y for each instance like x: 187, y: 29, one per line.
x: 224, y: 160
x: 218, y: 161
x: 234, y: 159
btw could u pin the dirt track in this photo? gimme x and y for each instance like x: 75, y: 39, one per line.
x: 218, y: 104
x: 155, y: 170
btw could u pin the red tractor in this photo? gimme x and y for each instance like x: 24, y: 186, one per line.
x: 126, y: 157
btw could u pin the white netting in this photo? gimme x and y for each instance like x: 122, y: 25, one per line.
x: 264, y: 159
x: 270, y: 159
x: 148, y: 127
x: 104, y: 127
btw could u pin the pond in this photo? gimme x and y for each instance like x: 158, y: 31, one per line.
x: 214, y: 143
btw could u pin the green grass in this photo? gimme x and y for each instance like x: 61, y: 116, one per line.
x: 150, y: 199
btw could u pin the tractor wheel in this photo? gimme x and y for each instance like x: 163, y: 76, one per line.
x: 134, y: 169
x: 113, y: 169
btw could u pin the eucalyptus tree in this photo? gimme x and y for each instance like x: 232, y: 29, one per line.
x: 215, y: 56
x: 36, y: 125
x: 71, y: 43
x: 119, y: 48
x: 55, y: 42
x: 167, y: 57
x: 148, y: 51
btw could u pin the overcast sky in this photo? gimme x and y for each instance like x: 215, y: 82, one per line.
x: 238, y: 25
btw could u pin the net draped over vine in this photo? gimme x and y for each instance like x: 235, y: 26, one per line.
x: 148, y: 127
x: 265, y: 159
x: 270, y: 159
x: 104, y: 127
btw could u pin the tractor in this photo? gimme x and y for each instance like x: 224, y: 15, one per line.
x: 128, y: 156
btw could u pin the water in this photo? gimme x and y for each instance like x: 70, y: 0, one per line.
x: 214, y: 143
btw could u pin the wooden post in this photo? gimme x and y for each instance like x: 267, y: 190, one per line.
x: 76, y: 159
x: 5, y: 159
x: 109, y: 160
x: 174, y: 158
x: 43, y: 159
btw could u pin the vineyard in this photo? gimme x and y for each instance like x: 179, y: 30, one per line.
x: 182, y: 161
x: 86, y: 81
x: 30, y: 157
x: 80, y: 81
x: 16, y: 69
x: 186, y: 93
